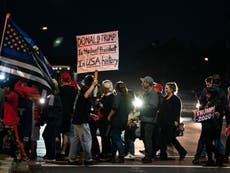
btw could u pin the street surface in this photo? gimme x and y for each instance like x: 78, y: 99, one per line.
x: 188, y: 140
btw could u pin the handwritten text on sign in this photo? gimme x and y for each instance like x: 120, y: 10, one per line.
x: 97, y: 52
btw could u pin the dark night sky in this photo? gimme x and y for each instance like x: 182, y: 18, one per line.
x: 140, y: 23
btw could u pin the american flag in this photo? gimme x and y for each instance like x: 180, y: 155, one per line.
x: 21, y: 58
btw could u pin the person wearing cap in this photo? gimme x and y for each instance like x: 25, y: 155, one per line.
x: 67, y: 94
x: 11, y: 120
x: 158, y: 87
x: 148, y: 117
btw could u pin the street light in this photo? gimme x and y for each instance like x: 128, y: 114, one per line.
x: 206, y: 59
x: 57, y: 41
x: 44, y: 28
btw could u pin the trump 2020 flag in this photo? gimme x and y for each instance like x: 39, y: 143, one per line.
x: 21, y: 58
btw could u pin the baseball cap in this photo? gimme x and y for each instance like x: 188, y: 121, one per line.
x: 159, y: 87
x: 65, y: 77
x: 148, y: 79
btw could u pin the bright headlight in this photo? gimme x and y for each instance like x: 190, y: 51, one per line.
x: 137, y: 102
x: 42, y: 100
x: 198, y: 104
x: 2, y: 76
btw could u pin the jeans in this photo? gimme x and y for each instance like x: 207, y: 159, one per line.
x: 117, y: 143
x: 82, y: 138
x: 219, y: 146
x: 200, y: 149
x: 129, y: 141
x: 49, y: 135
x: 149, y: 133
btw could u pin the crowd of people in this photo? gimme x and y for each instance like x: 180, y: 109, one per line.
x: 74, y: 115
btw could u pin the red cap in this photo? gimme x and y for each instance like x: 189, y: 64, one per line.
x: 65, y: 77
x: 159, y: 87
x: 73, y: 83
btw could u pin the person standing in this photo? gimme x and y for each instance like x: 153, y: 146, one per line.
x: 169, y: 120
x: 2, y: 132
x: 210, y: 97
x: 52, y: 112
x: 201, y: 142
x: 82, y: 136
x: 11, y: 120
x: 221, y: 100
x: 148, y: 117
x: 67, y: 94
x: 106, y: 102
x: 118, y: 118
x: 227, y: 131
x: 2, y: 100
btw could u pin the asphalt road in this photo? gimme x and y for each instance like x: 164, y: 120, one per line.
x: 131, y: 169
x: 189, y: 141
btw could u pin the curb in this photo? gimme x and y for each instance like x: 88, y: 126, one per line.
x: 22, y: 167
x: 6, y: 163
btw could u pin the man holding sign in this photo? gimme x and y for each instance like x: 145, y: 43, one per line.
x: 208, y: 116
x: 82, y: 136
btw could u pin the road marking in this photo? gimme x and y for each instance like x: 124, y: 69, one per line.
x: 134, y: 166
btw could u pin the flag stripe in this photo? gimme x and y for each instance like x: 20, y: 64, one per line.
x: 29, y: 76
x: 21, y: 64
x: 21, y: 58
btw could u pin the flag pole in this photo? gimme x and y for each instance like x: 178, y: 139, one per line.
x: 3, y: 33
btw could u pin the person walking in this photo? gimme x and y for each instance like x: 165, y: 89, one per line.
x: 118, y: 118
x: 201, y: 142
x: 169, y: 120
x: 82, y: 136
x: 148, y: 117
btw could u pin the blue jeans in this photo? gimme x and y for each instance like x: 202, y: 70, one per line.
x: 117, y: 143
x: 200, y: 149
x: 82, y: 138
x: 218, y: 143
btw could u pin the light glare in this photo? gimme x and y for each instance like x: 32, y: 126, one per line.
x: 137, y: 102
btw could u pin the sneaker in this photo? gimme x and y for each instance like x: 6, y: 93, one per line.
x: 203, y: 155
x: 88, y: 162
x: 182, y: 156
x: 219, y: 162
x: 25, y: 159
x: 195, y: 162
x: 105, y: 159
x: 226, y: 160
x: 129, y: 156
x: 146, y: 160
x: 142, y: 151
x: 118, y: 160
x: 74, y: 162
x: 210, y: 163
x: 50, y: 160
